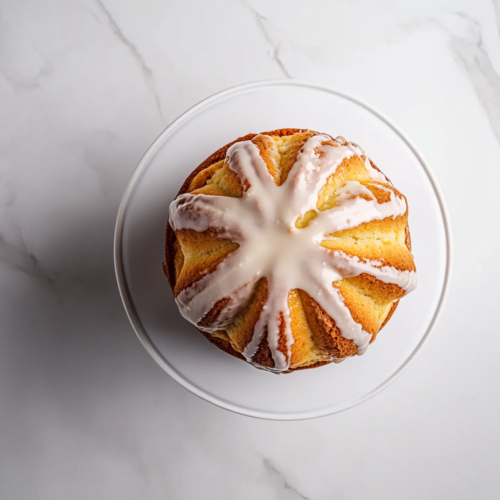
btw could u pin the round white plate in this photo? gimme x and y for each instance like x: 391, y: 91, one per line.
x: 139, y: 251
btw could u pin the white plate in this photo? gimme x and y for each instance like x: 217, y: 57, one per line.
x: 139, y: 251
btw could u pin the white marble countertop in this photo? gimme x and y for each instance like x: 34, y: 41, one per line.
x: 85, y: 86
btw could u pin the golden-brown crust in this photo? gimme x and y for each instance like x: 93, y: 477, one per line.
x: 325, y: 332
x: 169, y: 264
x: 214, y: 313
x: 389, y: 315
x: 347, y: 241
x: 191, y: 266
x: 220, y: 154
x: 222, y: 344
x: 263, y: 355
x: 317, y: 340
x: 313, y: 365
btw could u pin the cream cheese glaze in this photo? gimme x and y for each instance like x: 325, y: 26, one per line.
x: 263, y: 221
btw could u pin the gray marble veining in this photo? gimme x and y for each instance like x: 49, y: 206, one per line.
x: 275, y: 46
x: 147, y: 72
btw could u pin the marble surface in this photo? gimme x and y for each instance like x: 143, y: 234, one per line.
x: 85, y: 86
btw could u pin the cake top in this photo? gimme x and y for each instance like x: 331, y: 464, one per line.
x: 280, y: 223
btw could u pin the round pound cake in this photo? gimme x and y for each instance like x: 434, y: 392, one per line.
x: 289, y: 249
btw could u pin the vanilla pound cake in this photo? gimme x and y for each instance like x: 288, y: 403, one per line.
x: 289, y: 249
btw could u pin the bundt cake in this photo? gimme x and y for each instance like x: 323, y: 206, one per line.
x: 289, y: 249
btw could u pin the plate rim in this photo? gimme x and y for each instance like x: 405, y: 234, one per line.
x: 131, y: 311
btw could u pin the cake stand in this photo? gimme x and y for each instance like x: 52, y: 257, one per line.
x: 179, y: 348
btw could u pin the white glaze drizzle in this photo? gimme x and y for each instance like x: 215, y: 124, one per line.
x: 262, y: 222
